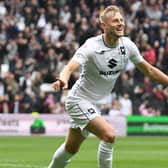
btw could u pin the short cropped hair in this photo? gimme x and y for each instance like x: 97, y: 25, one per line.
x: 103, y: 14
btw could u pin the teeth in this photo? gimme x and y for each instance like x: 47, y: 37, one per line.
x: 120, y: 28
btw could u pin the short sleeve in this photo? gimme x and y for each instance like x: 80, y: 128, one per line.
x: 135, y: 55
x: 83, y: 53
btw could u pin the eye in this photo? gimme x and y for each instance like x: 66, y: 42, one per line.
x: 115, y: 20
x: 122, y: 20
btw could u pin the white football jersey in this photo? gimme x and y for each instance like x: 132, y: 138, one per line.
x: 101, y: 66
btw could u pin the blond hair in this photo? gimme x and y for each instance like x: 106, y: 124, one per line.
x: 103, y: 14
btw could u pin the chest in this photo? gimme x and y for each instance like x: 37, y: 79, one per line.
x: 111, y: 60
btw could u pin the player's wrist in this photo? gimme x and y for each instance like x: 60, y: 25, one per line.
x: 62, y: 83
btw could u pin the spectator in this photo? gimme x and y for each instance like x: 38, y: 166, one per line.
x: 115, y: 108
x: 150, y: 55
x: 40, y: 35
x: 126, y: 105
x: 146, y: 109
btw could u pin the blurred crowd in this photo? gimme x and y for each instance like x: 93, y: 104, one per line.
x: 38, y: 37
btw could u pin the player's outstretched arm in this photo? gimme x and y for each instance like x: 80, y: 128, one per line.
x: 153, y: 72
x: 62, y: 81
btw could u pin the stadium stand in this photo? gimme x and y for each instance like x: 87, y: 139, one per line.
x: 38, y: 37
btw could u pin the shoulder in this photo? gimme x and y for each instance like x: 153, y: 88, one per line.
x: 93, y: 44
x: 126, y: 41
x: 89, y: 46
x: 129, y: 44
x: 132, y: 50
x: 94, y: 40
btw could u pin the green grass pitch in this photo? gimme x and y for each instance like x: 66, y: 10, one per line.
x: 130, y: 152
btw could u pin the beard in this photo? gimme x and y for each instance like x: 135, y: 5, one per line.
x: 116, y: 35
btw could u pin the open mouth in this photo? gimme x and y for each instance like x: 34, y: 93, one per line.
x: 120, y: 29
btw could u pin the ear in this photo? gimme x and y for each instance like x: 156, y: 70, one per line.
x: 102, y: 26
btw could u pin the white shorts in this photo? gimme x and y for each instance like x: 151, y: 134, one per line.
x: 81, y: 112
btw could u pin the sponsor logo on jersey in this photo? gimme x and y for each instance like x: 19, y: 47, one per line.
x: 107, y: 73
x: 112, y: 63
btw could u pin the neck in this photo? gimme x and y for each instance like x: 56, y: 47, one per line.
x: 110, y: 41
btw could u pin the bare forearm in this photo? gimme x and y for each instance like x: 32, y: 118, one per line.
x: 65, y: 74
x: 62, y: 81
x: 153, y: 72
x: 67, y: 71
x: 159, y: 76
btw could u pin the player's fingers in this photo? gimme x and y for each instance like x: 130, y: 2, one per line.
x: 56, y: 85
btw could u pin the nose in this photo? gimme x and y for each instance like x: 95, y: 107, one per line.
x: 121, y: 22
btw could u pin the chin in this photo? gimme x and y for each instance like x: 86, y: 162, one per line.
x: 120, y: 34
x: 117, y: 35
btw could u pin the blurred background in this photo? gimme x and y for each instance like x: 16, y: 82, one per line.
x: 38, y: 38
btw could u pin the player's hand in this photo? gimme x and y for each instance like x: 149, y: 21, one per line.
x: 59, y: 84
